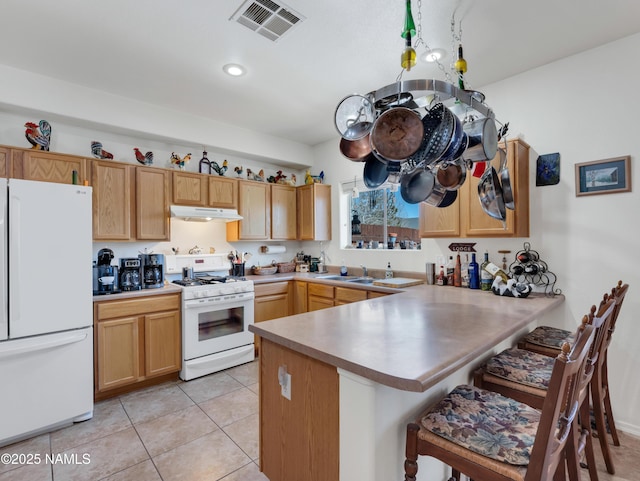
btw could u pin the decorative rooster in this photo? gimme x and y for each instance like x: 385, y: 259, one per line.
x: 259, y: 176
x: 238, y: 170
x: 291, y: 181
x: 311, y: 179
x: 144, y: 159
x: 279, y: 178
x: 220, y: 170
x: 39, y: 136
x: 98, y: 152
x: 180, y: 162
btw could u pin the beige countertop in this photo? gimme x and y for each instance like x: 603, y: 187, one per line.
x: 411, y: 340
x: 167, y: 289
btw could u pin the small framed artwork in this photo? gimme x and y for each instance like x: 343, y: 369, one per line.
x: 548, y: 169
x: 606, y: 176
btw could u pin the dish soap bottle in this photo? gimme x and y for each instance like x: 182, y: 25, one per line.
x: 343, y: 269
x: 388, y: 273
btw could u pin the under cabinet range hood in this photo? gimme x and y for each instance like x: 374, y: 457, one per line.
x: 204, y: 214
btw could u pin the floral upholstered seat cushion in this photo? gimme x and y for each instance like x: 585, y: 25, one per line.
x: 550, y: 337
x: 485, y: 422
x: 522, y: 366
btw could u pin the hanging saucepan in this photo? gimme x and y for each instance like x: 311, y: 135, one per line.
x: 451, y: 175
x: 357, y: 150
x: 375, y: 172
x: 483, y: 140
x: 490, y: 194
x: 352, y: 110
x: 441, y: 197
x: 417, y: 186
x: 397, y: 134
x: 401, y: 99
x: 507, y: 192
x: 449, y: 198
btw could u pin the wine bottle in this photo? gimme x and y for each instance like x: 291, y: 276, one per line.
x: 457, y: 272
x: 449, y: 272
x: 495, y: 271
x: 474, y: 273
x: 464, y: 272
x: 486, y: 278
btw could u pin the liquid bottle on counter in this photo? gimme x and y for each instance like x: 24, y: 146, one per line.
x: 464, y: 271
x: 495, y: 271
x: 343, y: 269
x: 441, y: 279
x: 449, y: 272
x: 388, y: 273
x: 474, y: 273
x: 457, y: 272
x: 486, y: 278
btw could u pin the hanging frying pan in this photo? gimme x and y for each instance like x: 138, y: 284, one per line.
x: 397, y: 134
x: 375, y: 172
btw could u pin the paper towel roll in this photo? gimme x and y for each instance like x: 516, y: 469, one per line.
x: 273, y: 249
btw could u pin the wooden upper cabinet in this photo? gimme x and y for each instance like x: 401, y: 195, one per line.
x: 112, y: 200
x: 223, y: 192
x: 466, y: 218
x: 476, y: 223
x: 254, y: 205
x: 283, y: 212
x: 314, y: 212
x: 190, y: 188
x: 49, y: 166
x: 5, y: 157
x: 152, y: 204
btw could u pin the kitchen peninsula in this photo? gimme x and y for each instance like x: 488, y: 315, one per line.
x: 338, y: 386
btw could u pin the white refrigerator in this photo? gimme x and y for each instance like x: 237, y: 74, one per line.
x: 46, y: 311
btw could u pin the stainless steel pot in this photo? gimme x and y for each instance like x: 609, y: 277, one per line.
x: 417, y: 186
x: 490, y: 194
x: 507, y: 192
x: 451, y: 175
x: 483, y: 140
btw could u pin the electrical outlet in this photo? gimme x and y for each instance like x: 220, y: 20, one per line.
x: 285, y: 388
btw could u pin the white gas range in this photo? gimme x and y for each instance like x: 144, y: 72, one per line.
x: 217, y: 311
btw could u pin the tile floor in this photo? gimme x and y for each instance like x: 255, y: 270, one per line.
x: 205, y: 429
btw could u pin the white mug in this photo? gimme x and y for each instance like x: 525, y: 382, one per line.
x: 106, y: 280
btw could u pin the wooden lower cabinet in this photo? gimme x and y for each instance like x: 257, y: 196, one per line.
x: 300, y: 297
x: 345, y: 295
x: 137, y: 341
x: 319, y: 296
x: 299, y: 438
x: 272, y: 301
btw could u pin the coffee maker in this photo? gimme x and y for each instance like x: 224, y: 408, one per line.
x: 152, y: 270
x: 105, y: 276
x: 130, y: 274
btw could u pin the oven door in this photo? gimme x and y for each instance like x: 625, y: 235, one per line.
x: 216, y: 324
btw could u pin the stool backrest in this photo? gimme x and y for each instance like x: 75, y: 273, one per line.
x: 560, y: 406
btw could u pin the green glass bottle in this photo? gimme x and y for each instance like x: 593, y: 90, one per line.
x: 409, y: 25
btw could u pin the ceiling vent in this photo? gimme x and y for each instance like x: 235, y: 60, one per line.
x: 270, y: 19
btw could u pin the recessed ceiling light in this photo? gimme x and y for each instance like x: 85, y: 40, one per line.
x: 433, y: 55
x: 234, y: 69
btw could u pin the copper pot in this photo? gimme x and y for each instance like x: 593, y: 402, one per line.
x: 357, y: 150
x: 397, y: 134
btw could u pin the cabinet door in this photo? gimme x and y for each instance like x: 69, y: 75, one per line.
x: 345, y: 295
x: 271, y: 307
x: 152, y: 204
x: 112, y: 200
x: 283, y: 212
x: 476, y: 223
x: 439, y: 222
x: 189, y: 189
x: 254, y: 205
x: 315, y: 303
x: 51, y: 167
x: 5, y: 156
x: 314, y: 212
x: 162, y: 343
x: 118, y: 352
x: 299, y: 297
x: 223, y: 192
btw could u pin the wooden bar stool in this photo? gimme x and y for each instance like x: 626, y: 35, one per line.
x: 545, y: 339
x: 489, y: 437
x: 524, y: 375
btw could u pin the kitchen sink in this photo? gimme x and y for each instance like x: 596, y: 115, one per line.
x: 335, y: 277
x: 362, y: 280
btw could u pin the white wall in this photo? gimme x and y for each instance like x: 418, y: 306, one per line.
x: 584, y: 107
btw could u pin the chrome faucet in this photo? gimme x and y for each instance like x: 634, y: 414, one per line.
x: 365, y: 272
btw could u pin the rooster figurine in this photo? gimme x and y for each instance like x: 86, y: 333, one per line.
x: 220, y: 170
x: 98, y: 152
x: 39, y: 136
x: 180, y: 162
x: 259, y: 176
x: 313, y: 179
x: 144, y: 159
x: 291, y: 181
x: 238, y: 170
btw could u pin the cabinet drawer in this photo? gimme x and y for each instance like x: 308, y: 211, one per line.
x: 350, y: 295
x: 271, y: 288
x: 320, y: 290
x: 139, y: 306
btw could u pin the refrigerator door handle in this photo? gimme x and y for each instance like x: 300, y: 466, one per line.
x: 23, y: 347
x: 14, y: 249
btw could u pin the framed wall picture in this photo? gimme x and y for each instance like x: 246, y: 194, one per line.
x: 606, y: 176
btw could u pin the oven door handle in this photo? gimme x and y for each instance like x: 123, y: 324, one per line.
x: 218, y: 301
